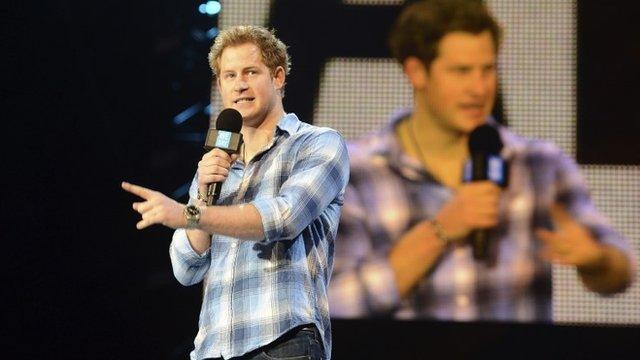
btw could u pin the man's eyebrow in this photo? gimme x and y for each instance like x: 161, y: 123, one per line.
x: 460, y: 67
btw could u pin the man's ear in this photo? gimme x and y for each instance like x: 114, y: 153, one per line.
x: 279, y: 77
x: 416, y: 72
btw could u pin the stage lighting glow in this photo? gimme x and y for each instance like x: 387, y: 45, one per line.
x: 210, y: 8
x: 188, y: 113
x: 213, y: 32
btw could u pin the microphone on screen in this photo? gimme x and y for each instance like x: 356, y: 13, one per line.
x: 225, y: 136
x: 485, y: 146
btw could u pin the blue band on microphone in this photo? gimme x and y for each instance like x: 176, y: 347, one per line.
x: 496, y: 170
x: 223, y: 140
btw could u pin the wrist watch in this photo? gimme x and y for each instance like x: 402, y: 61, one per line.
x: 192, y: 215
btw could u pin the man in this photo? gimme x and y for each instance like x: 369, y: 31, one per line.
x: 403, y: 246
x: 265, y: 251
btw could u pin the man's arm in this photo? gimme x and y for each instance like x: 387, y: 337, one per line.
x: 602, y: 268
x: 317, y: 179
x: 415, y: 253
x: 370, y: 279
x: 237, y: 221
x: 475, y: 206
x: 242, y: 221
x: 582, y: 237
x: 612, y: 274
x: 319, y: 175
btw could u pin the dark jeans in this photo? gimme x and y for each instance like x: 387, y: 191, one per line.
x: 298, y: 344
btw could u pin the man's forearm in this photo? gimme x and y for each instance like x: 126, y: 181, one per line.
x: 238, y: 221
x: 612, y: 274
x: 414, y: 254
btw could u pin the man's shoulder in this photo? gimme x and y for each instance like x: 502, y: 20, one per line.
x: 301, y: 133
x: 306, y: 129
x: 321, y: 134
x: 520, y: 146
x: 379, y: 143
x: 372, y: 148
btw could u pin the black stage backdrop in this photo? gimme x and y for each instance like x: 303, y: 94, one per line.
x: 90, y: 89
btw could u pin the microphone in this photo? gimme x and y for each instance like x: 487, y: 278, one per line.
x: 486, y: 164
x: 226, y: 136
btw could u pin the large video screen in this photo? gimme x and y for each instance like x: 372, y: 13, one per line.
x: 343, y: 77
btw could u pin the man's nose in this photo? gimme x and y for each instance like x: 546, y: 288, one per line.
x: 240, y: 85
x: 479, y: 84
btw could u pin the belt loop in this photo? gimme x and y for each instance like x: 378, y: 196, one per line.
x: 314, y: 329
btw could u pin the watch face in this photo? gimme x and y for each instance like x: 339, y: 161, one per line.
x: 192, y: 211
x: 192, y: 215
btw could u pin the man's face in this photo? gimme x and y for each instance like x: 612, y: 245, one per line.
x: 460, y: 85
x: 246, y: 83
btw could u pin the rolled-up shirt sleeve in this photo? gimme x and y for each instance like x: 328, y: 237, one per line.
x: 317, y: 179
x: 573, y: 194
x: 189, y: 267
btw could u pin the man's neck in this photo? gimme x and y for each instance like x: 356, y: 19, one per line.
x: 441, y: 151
x: 256, y: 137
x: 436, y: 141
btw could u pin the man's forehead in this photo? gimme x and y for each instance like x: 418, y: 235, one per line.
x: 460, y: 46
x: 245, y: 54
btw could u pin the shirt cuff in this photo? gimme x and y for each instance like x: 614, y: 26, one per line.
x: 271, y: 218
x: 181, y: 247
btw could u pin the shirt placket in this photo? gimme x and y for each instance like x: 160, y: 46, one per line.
x: 226, y: 341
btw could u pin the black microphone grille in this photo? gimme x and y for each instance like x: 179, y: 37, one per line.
x: 485, y: 139
x: 229, y: 120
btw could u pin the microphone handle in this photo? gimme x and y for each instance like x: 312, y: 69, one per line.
x: 479, y: 242
x: 213, y: 193
x: 479, y: 237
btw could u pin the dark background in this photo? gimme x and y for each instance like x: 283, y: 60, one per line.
x: 608, y: 83
x: 91, y: 89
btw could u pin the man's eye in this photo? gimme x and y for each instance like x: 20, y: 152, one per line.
x: 461, y: 70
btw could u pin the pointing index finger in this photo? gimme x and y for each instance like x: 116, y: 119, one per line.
x: 143, y: 192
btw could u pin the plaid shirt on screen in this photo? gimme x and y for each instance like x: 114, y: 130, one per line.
x: 389, y: 192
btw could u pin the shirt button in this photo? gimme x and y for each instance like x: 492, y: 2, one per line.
x: 233, y: 245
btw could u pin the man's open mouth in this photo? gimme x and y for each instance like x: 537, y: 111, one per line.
x: 244, y: 99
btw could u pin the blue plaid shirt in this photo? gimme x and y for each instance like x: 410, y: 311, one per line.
x: 390, y: 192
x: 255, y: 291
